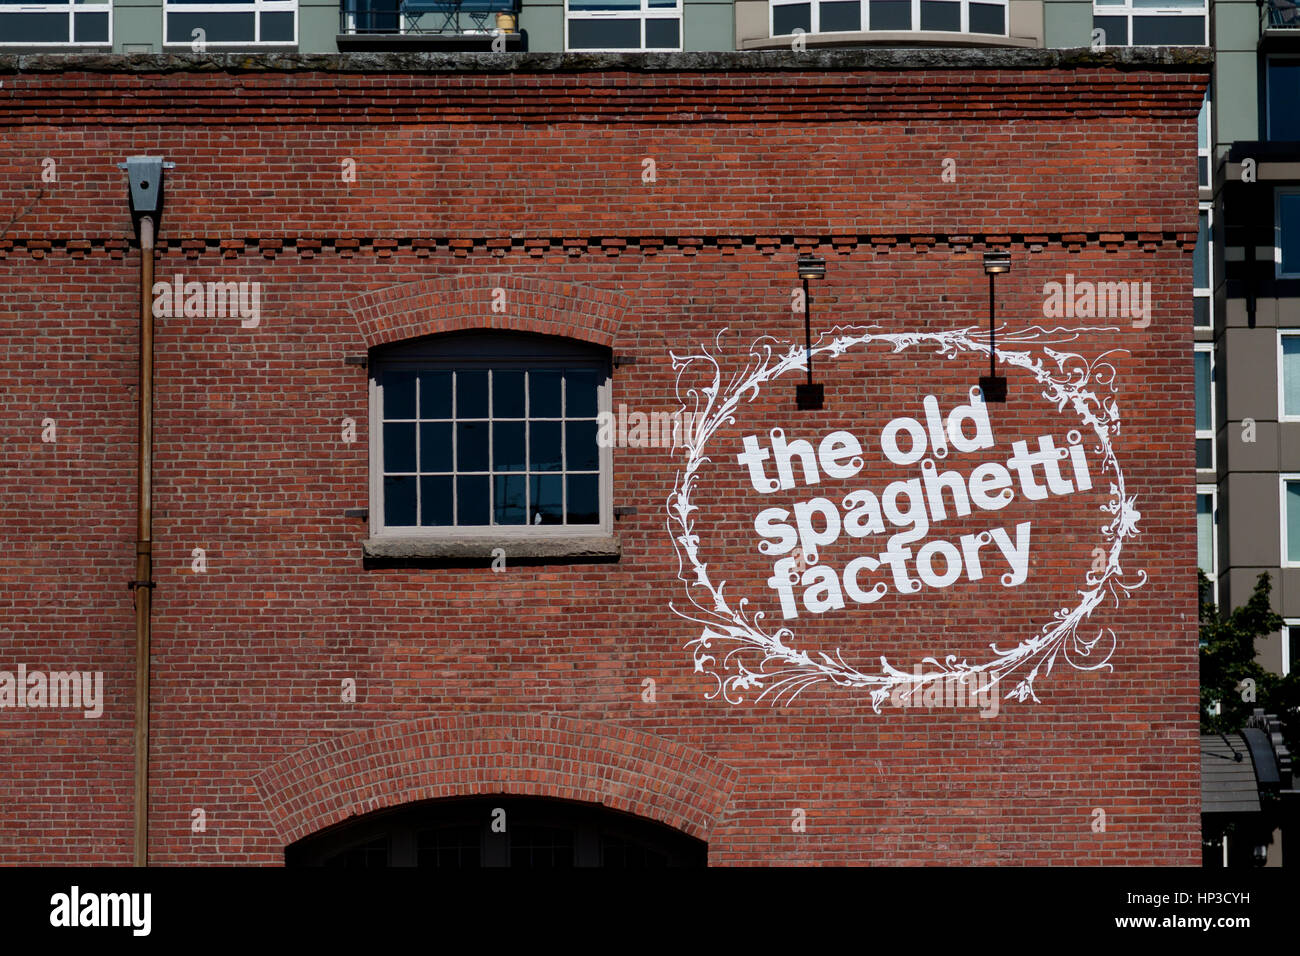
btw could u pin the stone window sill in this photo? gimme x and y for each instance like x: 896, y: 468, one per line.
x: 413, y: 551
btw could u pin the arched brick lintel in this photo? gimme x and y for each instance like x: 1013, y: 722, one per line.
x: 480, y: 754
x: 527, y: 304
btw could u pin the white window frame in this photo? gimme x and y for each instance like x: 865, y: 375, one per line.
x: 255, y: 7
x: 643, y: 13
x: 1206, y: 151
x: 1283, y: 478
x: 1207, y: 348
x: 57, y: 6
x: 1278, y: 193
x: 865, y: 17
x: 1129, y: 11
x: 1207, y: 292
x: 474, y: 533
x: 1213, y: 572
x: 1282, y: 416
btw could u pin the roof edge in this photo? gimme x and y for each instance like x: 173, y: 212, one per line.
x: 1163, y: 59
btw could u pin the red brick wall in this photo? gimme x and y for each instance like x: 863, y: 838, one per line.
x: 531, y: 680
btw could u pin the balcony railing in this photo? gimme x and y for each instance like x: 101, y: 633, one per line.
x: 1283, y: 15
x: 423, y: 17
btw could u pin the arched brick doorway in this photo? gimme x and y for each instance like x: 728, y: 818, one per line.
x: 460, y: 756
x: 500, y: 831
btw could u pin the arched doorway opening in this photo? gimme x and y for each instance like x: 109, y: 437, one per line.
x: 500, y: 831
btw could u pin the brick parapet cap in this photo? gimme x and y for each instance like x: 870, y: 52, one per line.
x: 1162, y: 58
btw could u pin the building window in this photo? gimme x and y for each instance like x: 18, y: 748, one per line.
x: 611, y: 25
x: 1151, y: 22
x: 71, y: 23
x: 856, y: 16
x: 1286, y: 232
x: 489, y: 433
x: 1288, y: 347
x: 231, y: 23
x: 1290, y: 645
x: 1204, y: 358
x: 1282, y: 91
x: 1290, y: 520
x: 1203, y: 269
x: 1207, y: 497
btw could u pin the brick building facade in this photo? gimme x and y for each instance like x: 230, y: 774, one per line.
x: 307, y: 670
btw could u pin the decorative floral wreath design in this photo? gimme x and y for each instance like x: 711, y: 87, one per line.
x: 783, y: 670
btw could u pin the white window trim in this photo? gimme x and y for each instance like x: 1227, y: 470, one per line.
x: 1208, y: 349
x: 1207, y: 292
x: 1283, y: 478
x: 643, y: 13
x: 1213, y: 572
x: 1206, y: 151
x: 1129, y: 11
x: 255, y: 7
x: 479, y: 533
x: 1282, y: 416
x: 865, y: 17
x: 1278, y: 193
x: 55, y: 6
x: 1287, y: 663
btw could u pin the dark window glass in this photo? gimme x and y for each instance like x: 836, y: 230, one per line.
x: 661, y: 34
x: 435, y: 446
x: 435, y: 395
x: 508, y: 393
x: 435, y: 499
x: 841, y: 17
x: 509, y: 499
x: 1283, y: 94
x: 218, y: 27
x: 544, y: 453
x: 365, y: 856
x: 1202, y: 390
x: 604, y: 34
x: 460, y: 847
x: 541, y: 847
x: 36, y: 28
x: 937, y: 15
x: 987, y: 18
x: 580, y: 389
x: 1168, y: 31
x: 1201, y: 254
x: 399, y: 394
x: 90, y: 27
x: 1203, y: 170
x: 584, y: 499
x: 544, y: 390
x: 472, y: 446
x: 473, y: 499
x: 622, y: 854
x: 1289, y: 232
x: 472, y: 394
x: 399, y: 446
x: 1114, y: 30
x: 547, y: 493
x: 1201, y: 310
x: 509, y: 452
x: 1205, y: 453
x: 277, y: 26
x: 795, y: 16
x: 891, y: 15
x: 399, y: 500
x: 580, y: 443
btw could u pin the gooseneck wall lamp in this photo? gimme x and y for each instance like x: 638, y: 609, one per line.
x: 809, y: 396
x: 993, y: 385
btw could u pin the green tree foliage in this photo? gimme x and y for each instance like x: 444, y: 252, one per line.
x: 1230, y: 674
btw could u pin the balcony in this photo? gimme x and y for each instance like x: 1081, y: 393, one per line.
x: 439, y: 24
x: 1279, y: 24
